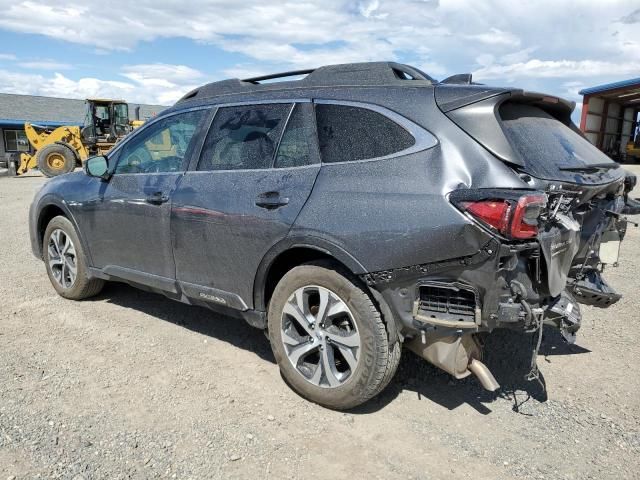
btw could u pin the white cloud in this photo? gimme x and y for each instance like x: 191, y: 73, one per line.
x: 297, y: 33
x: 519, y: 56
x: 168, y: 82
x: 12, y: 82
x: 556, y: 69
x: 86, y: 87
x: 541, y: 44
x: 633, y: 17
x: 155, y: 84
x: 300, y: 34
x: 368, y: 10
x: 495, y: 36
x: 60, y: 86
x: 45, y: 65
x: 7, y: 56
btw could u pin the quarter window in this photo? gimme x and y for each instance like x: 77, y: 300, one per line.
x: 294, y: 149
x: 348, y: 133
x: 244, y: 137
x: 162, y: 147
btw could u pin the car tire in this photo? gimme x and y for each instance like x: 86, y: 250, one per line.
x: 393, y: 361
x: 351, y: 360
x: 66, y: 262
x: 55, y: 159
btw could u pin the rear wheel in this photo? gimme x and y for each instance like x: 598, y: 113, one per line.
x: 65, y: 261
x: 328, y: 337
x: 55, y: 159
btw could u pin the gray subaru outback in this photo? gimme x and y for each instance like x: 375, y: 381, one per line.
x: 350, y: 212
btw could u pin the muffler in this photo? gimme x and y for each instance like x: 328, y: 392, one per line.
x: 458, y: 355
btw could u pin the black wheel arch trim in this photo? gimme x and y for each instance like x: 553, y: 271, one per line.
x: 54, y: 201
x: 326, y: 247
x: 289, y: 243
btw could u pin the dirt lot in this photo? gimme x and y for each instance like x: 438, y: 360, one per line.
x: 132, y: 385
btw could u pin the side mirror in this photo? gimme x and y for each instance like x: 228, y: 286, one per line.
x: 97, y: 167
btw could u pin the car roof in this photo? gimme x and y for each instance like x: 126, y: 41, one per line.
x: 367, y: 74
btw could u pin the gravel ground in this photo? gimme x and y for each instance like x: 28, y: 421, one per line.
x: 133, y: 385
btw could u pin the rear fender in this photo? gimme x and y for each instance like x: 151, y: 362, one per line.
x: 314, y: 243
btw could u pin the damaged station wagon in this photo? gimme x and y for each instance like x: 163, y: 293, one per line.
x: 350, y: 212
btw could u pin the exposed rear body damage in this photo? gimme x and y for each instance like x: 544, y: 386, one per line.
x: 517, y: 283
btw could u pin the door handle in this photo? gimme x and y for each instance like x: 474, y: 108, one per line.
x: 157, y: 198
x: 271, y: 200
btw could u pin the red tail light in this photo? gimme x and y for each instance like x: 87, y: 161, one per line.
x: 513, y: 218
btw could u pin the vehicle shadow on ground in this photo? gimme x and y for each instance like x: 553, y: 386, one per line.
x: 234, y: 331
x: 507, y: 355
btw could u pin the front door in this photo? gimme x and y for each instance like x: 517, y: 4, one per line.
x: 241, y: 198
x: 127, y: 224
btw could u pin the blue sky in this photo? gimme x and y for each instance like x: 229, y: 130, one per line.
x: 153, y: 51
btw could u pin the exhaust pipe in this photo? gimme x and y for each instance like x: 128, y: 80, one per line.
x: 484, y: 375
x: 458, y: 355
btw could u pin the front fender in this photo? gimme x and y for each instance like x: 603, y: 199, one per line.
x: 42, y: 210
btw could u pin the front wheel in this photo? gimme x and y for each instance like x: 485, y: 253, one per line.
x: 328, y: 337
x: 55, y: 159
x: 65, y: 261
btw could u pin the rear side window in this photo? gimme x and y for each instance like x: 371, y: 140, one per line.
x: 545, y: 144
x: 244, y: 137
x: 347, y: 133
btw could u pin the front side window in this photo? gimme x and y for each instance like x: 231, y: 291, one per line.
x: 162, y: 147
x: 347, y: 133
x: 15, y: 141
x: 244, y: 137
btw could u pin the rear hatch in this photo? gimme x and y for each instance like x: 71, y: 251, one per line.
x: 534, y: 135
x: 532, y: 132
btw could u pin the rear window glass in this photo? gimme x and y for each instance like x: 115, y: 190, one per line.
x: 546, y: 144
x: 348, y: 133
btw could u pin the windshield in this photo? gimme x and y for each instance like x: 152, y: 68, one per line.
x: 547, y: 146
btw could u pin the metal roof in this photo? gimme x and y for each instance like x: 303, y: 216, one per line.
x: 610, y: 86
x: 52, y: 111
x: 12, y: 122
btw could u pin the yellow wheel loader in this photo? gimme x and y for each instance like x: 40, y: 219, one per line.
x: 62, y: 149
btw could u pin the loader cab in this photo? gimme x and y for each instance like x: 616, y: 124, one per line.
x: 105, y: 122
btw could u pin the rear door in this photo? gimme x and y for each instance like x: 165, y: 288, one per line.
x: 256, y: 170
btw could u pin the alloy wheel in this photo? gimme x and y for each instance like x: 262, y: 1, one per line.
x: 62, y: 258
x: 320, y: 336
